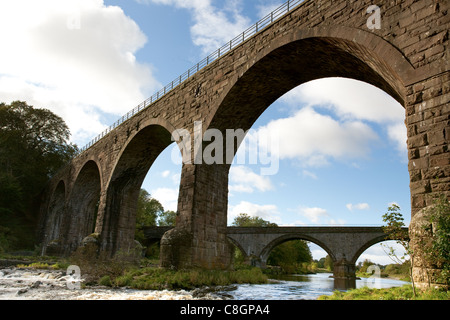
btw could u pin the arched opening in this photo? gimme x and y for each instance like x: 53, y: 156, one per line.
x: 299, y: 245
x: 83, y: 204
x: 119, y: 222
x: 386, y: 260
x: 55, y: 214
x: 340, y: 134
x: 270, y: 74
x: 341, y: 158
x: 158, y: 199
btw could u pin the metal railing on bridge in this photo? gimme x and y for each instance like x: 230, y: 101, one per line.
x: 232, y: 44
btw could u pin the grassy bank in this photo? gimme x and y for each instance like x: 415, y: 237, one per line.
x: 397, y: 293
x: 152, y: 278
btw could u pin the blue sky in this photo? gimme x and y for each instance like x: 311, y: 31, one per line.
x: 342, y: 151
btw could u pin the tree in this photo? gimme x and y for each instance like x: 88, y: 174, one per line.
x: 395, y: 230
x: 148, y: 210
x: 167, y: 218
x: 34, y: 144
x: 244, y: 220
x: 290, y: 255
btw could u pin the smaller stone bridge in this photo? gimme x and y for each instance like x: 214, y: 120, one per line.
x: 343, y: 244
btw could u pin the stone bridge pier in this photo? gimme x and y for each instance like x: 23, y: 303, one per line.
x: 343, y: 244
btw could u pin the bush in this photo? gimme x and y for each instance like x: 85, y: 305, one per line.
x: 157, y: 279
x: 95, y: 265
x: 397, y: 293
x: 105, y: 281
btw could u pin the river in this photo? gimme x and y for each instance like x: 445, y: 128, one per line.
x: 25, y: 284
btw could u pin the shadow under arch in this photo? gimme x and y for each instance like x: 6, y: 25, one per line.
x: 55, y: 216
x: 137, y: 156
x: 82, y: 205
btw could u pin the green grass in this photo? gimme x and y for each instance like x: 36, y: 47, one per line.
x: 397, y: 293
x: 44, y: 265
x: 151, y: 278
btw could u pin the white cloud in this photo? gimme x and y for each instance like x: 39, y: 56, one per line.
x: 309, y: 174
x: 74, y: 57
x: 349, y: 98
x: 165, y: 173
x: 397, y: 134
x: 213, y: 27
x: 268, y: 212
x: 243, y: 179
x: 267, y: 6
x: 378, y: 254
x: 314, y: 138
x: 167, y: 197
x: 313, y: 214
x: 358, y: 206
x: 353, y: 100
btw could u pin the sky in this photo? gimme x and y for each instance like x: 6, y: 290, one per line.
x: 341, y: 154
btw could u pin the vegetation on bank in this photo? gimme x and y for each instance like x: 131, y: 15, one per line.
x: 34, y: 144
x: 405, y: 292
x: 393, y: 271
x: 152, y: 278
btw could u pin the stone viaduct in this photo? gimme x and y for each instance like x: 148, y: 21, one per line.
x: 407, y: 57
x: 343, y: 244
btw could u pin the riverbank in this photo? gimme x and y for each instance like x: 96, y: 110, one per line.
x: 47, y: 279
x: 396, y: 293
x: 28, y: 283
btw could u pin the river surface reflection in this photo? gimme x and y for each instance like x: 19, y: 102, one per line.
x: 299, y: 287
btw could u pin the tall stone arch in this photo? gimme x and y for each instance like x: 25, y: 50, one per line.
x: 52, y: 237
x: 82, y: 205
x: 117, y: 212
x: 286, y: 62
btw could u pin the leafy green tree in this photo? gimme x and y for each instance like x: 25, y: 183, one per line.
x: 148, y: 209
x: 328, y: 263
x: 147, y: 212
x: 34, y: 144
x: 437, y: 249
x: 395, y: 230
x: 167, y: 218
x: 290, y: 255
x: 244, y: 220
